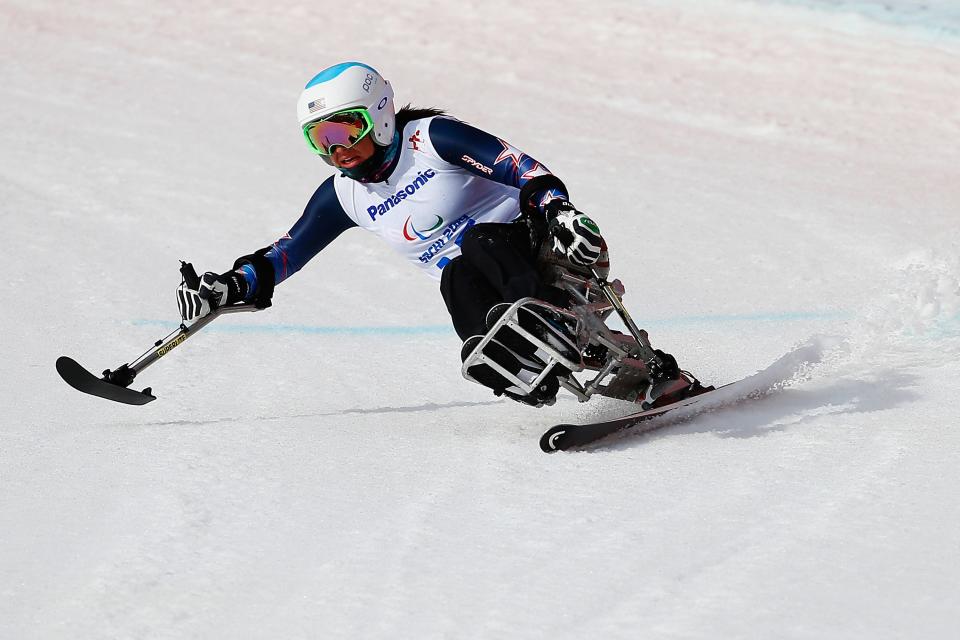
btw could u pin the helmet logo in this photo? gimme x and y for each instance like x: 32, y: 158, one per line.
x: 316, y: 105
x: 368, y: 82
x: 382, y: 103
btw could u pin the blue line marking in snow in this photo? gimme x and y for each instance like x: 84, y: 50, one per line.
x: 297, y: 328
x: 444, y: 329
x: 733, y: 318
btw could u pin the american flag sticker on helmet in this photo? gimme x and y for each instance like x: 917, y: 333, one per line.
x: 316, y: 105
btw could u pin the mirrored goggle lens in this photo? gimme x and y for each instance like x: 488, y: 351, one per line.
x: 344, y: 129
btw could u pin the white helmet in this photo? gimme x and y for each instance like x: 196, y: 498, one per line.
x: 350, y: 85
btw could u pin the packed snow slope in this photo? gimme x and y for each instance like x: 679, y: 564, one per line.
x: 780, y: 187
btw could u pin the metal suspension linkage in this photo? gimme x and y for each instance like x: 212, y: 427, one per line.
x: 647, y: 353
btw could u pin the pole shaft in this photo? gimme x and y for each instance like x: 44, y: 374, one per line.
x: 175, y: 340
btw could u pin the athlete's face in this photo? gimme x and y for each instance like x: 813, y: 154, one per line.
x: 354, y: 156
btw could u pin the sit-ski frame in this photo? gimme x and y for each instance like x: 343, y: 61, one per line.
x: 634, y: 359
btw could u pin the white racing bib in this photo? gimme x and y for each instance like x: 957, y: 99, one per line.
x: 427, y: 204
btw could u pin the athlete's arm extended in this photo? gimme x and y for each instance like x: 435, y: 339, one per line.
x: 322, y: 221
x: 490, y: 157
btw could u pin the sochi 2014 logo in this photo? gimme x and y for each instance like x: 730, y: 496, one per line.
x: 421, y: 229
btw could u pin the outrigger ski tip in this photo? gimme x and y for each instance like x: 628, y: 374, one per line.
x: 82, y: 380
x: 114, y: 385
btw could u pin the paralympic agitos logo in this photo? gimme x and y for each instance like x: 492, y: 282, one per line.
x: 411, y: 233
x: 402, y: 194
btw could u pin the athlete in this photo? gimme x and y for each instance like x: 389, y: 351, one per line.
x: 470, y: 209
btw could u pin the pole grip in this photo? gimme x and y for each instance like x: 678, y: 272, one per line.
x: 190, y: 276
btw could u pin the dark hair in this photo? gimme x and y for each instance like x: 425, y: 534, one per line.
x: 409, y: 113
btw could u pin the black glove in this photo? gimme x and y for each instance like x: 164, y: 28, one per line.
x: 215, y: 291
x: 574, y: 233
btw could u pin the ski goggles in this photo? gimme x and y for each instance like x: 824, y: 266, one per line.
x: 342, y: 129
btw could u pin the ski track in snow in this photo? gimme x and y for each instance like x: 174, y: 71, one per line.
x: 782, y: 206
x: 785, y: 372
x: 928, y: 311
x: 428, y: 407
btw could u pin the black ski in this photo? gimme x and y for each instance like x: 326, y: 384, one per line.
x: 82, y: 380
x: 566, y: 436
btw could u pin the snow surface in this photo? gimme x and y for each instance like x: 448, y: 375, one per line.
x: 780, y: 186
x: 933, y: 16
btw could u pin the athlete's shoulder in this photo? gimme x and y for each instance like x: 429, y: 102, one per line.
x: 415, y: 124
x: 425, y: 123
x: 464, y: 145
x: 344, y: 190
x: 340, y: 183
x: 418, y: 117
x: 417, y: 140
